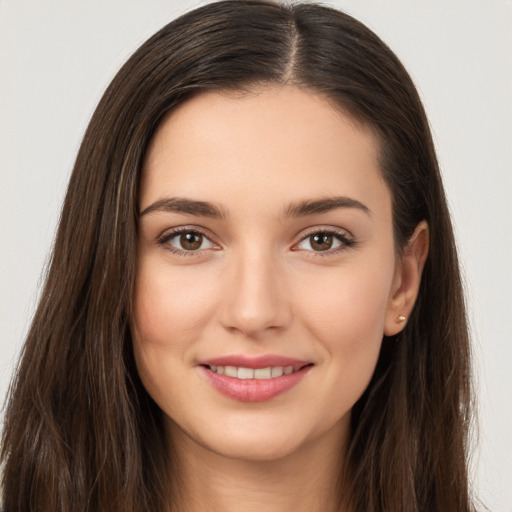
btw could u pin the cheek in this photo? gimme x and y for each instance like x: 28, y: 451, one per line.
x: 347, y: 304
x: 170, y: 307
x: 166, y: 324
x: 346, y: 316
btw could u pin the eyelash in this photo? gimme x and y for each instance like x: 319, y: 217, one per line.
x: 346, y: 240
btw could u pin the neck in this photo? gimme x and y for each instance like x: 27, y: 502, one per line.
x: 306, y: 480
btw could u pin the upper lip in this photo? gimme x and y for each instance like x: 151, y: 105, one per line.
x: 265, y: 361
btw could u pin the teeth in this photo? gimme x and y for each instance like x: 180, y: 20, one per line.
x: 245, y: 373
x: 230, y: 371
x: 249, y: 373
x: 263, y: 373
x: 277, y: 371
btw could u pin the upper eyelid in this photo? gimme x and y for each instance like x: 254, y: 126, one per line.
x: 185, y: 229
x: 332, y: 230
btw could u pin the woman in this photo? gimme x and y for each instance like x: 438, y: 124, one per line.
x: 263, y: 307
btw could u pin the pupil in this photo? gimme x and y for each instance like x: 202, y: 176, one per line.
x: 322, y: 242
x: 191, y: 241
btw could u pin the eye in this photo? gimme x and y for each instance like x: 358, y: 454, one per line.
x: 325, y: 241
x: 186, y: 240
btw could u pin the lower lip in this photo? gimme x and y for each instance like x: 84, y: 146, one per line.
x: 254, y: 390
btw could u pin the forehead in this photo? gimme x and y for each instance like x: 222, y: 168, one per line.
x: 279, y: 143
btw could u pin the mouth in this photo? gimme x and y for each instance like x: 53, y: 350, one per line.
x: 256, y: 379
x: 243, y: 373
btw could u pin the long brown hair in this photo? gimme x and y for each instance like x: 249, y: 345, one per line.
x: 81, y: 433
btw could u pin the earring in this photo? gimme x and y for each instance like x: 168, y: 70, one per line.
x: 401, y: 319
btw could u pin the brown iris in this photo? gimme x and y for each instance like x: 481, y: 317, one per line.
x: 191, y: 241
x: 321, y: 241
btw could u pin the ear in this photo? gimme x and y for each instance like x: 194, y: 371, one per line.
x: 407, y: 280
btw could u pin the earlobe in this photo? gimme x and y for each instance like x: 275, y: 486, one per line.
x: 406, y: 283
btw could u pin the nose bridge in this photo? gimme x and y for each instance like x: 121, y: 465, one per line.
x: 255, y: 295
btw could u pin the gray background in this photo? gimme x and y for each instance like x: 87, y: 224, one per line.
x: 56, y: 58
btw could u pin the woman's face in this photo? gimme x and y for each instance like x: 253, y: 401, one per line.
x: 266, y: 247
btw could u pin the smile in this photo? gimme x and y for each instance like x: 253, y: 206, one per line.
x: 254, y: 379
x: 252, y: 373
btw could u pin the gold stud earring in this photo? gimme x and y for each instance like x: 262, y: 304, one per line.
x: 401, y: 318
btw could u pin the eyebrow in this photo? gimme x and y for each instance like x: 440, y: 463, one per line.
x: 206, y: 209
x: 311, y: 207
x: 183, y: 205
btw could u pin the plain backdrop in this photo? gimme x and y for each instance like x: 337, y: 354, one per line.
x: 57, y: 57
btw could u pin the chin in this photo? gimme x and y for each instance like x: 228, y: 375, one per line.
x: 262, y: 438
x: 256, y: 448
x: 251, y: 437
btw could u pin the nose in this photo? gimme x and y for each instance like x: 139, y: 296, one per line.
x: 255, y: 299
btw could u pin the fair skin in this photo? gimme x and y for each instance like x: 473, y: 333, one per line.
x: 265, y: 276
